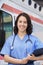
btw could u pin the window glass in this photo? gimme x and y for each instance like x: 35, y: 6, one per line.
x: 6, y: 27
x: 6, y: 23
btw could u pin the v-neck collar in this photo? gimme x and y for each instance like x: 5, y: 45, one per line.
x: 22, y: 38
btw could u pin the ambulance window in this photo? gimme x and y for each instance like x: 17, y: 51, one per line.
x: 6, y: 27
x: 7, y: 23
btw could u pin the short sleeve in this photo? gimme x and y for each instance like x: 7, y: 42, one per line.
x: 38, y: 44
x: 6, y: 48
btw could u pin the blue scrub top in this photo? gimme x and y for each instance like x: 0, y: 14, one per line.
x: 21, y: 48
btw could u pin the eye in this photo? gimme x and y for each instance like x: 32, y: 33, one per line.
x: 25, y: 22
x: 20, y: 21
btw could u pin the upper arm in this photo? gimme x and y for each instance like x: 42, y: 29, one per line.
x: 38, y: 44
x: 6, y: 48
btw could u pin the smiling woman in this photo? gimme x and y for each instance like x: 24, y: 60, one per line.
x: 19, y: 47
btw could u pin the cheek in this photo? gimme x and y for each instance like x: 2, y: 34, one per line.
x: 26, y: 26
x: 18, y: 25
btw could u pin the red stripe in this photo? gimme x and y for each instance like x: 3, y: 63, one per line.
x: 11, y: 9
x: 14, y: 10
x: 36, y: 20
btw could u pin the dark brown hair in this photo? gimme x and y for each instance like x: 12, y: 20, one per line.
x: 29, y: 24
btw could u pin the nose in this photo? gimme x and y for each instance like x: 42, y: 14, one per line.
x: 22, y: 23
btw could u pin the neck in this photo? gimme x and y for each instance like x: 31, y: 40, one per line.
x: 21, y: 34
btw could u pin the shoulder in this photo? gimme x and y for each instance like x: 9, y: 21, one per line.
x: 10, y: 37
x: 33, y: 37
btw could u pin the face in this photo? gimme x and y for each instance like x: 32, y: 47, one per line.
x: 22, y: 24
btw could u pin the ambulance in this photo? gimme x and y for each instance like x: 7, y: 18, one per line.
x: 9, y: 10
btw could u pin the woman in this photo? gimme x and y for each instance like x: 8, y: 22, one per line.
x: 19, y: 47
